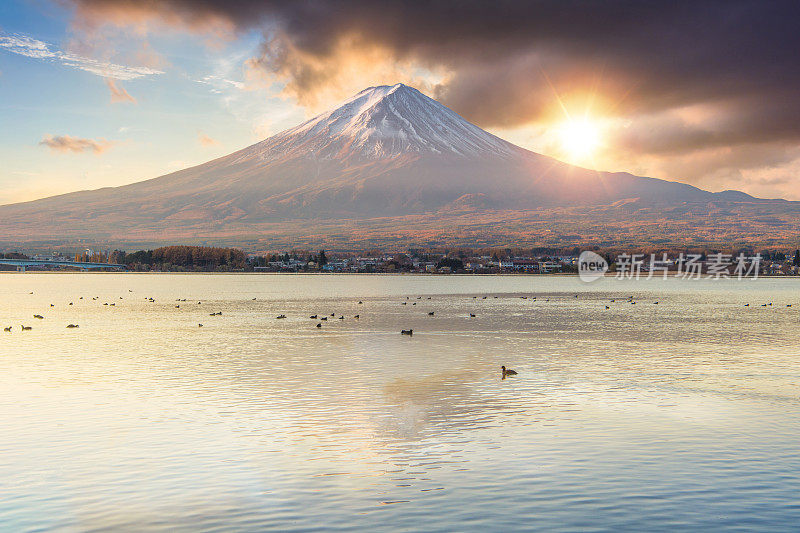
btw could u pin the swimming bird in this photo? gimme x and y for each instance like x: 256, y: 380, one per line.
x: 40, y: 317
x: 324, y: 318
x: 406, y: 332
x: 747, y: 305
x: 341, y: 317
x: 430, y: 313
x: 281, y: 316
x: 508, y: 371
x: 72, y: 326
x: 471, y: 315
x: 313, y: 316
x: 26, y: 328
x: 199, y: 325
x: 8, y: 329
x: 356, y: 316
x: 319, y: 325
x: 70, y: 303
x: 360, y: 302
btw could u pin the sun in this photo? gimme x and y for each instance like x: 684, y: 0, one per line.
x: 579, y: 138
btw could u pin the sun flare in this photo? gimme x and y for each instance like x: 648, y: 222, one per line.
x: 579, y: 138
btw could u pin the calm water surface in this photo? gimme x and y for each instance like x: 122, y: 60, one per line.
x: 681, y: 415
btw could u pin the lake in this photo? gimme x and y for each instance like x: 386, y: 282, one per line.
x: 672, y: 407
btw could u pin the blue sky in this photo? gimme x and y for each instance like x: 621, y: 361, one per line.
x: 194, y: 109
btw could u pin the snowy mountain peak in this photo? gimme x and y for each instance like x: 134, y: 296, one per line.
x: 385, y: 121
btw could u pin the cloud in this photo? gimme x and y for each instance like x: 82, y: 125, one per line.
x: 206, y: 141
x: 36, y: 49
x: 118, y: 93
x: 215, y: 80
x: 67, y: 143
x: 642, y: 55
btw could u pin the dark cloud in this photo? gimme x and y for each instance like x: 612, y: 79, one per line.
x: 505, y: 59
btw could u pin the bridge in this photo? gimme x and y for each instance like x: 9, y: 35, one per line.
x: 23, y: 264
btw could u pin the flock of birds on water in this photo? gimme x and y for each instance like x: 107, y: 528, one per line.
x: 322, y: 318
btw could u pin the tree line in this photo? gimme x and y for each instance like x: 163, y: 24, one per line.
x: 182, y: 258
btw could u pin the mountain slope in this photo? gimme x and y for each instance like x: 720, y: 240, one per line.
x: 387, y: 151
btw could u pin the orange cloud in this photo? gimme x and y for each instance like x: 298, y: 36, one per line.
x: 67, y: 143
x: 205, y: 140
x: 118, y: 93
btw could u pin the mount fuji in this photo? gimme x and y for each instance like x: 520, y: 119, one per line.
x: 389, y: 166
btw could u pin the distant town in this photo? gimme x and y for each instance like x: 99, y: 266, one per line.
x: 461, y: 261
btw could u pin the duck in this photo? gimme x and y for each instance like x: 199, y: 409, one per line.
x: 72, y: 326
x: 8, y: 329
x: 319, y: 325
x: 430, y: 313
x: 356, y: 316
x: 281, y: 316
x: 360, y: 302
x: 313, y: 316
x: 40, y: 317
x: 324, y: 318
x: 406, y: 332
x: 26, y: 328
x: 199, y: 325
x: 508, y: 371
x: 472, y: 315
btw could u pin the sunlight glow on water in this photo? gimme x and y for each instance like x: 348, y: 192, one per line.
x: 676, y: 415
